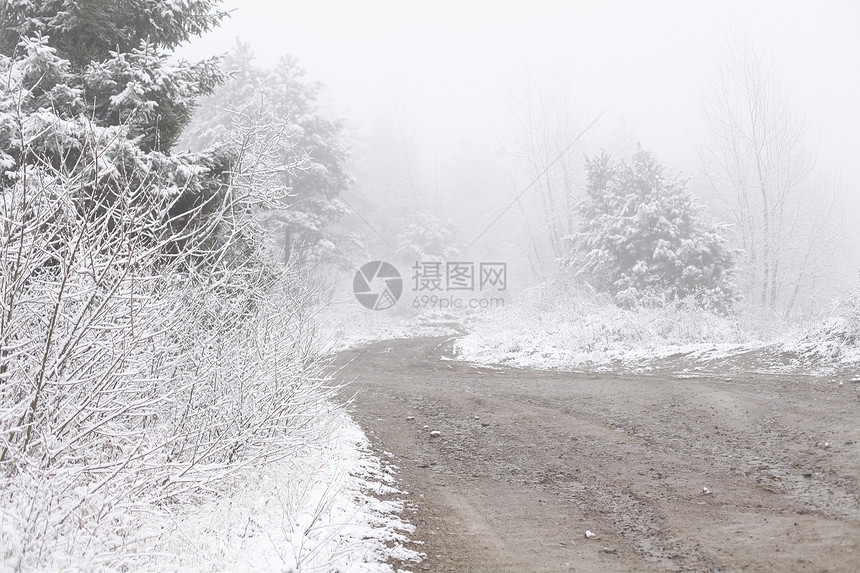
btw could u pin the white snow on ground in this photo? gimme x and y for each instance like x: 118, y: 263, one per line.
x: 330, y: 506
x: 553, y: 330
x: 835, y: 341
x: 319, y: 510
x: 347, y: 324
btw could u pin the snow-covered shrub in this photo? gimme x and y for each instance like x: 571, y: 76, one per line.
x: 850, y: 309
x: 835, y: 340
x: 148, y: 345
x: 643, y: 240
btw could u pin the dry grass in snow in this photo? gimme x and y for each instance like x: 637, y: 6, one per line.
x: 555, y: 329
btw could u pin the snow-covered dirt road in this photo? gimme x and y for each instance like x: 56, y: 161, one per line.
x: 760, y: 472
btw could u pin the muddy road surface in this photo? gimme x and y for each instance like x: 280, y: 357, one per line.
x: 505, y: 470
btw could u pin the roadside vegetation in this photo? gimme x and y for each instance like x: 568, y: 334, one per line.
x: 158, y: 348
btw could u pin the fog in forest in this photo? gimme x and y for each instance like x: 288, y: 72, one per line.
x: 453, y: 109
x: 461, y: 286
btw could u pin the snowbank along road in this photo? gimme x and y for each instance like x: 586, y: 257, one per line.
x: 505, y: 470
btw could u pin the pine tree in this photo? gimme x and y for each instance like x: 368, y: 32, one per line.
x: 283, y: 99
x: 643, y: 238
x: 90, y: 91
x: 84, y: 31
x: 113, y: 58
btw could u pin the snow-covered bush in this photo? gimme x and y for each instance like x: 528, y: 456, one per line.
x: 643, y: 240
x: 149, y: 346
x: 850, y: 309
x: 834, y: 341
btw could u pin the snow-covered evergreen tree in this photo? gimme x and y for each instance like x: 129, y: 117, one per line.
x: 85, y: 31
x: 90, y: 75
x: 643, y: 238
x: 282, y: 99
x: 115, y: 58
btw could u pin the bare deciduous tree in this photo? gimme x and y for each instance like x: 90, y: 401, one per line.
x: 759, y: 164
x: 545, y: 125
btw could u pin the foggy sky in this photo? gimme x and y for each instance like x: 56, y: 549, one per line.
x: 450, y: 62
x: 447, y: 65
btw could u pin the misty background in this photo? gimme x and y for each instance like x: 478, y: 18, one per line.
x: 452, y: 109
x: 191, y: 265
